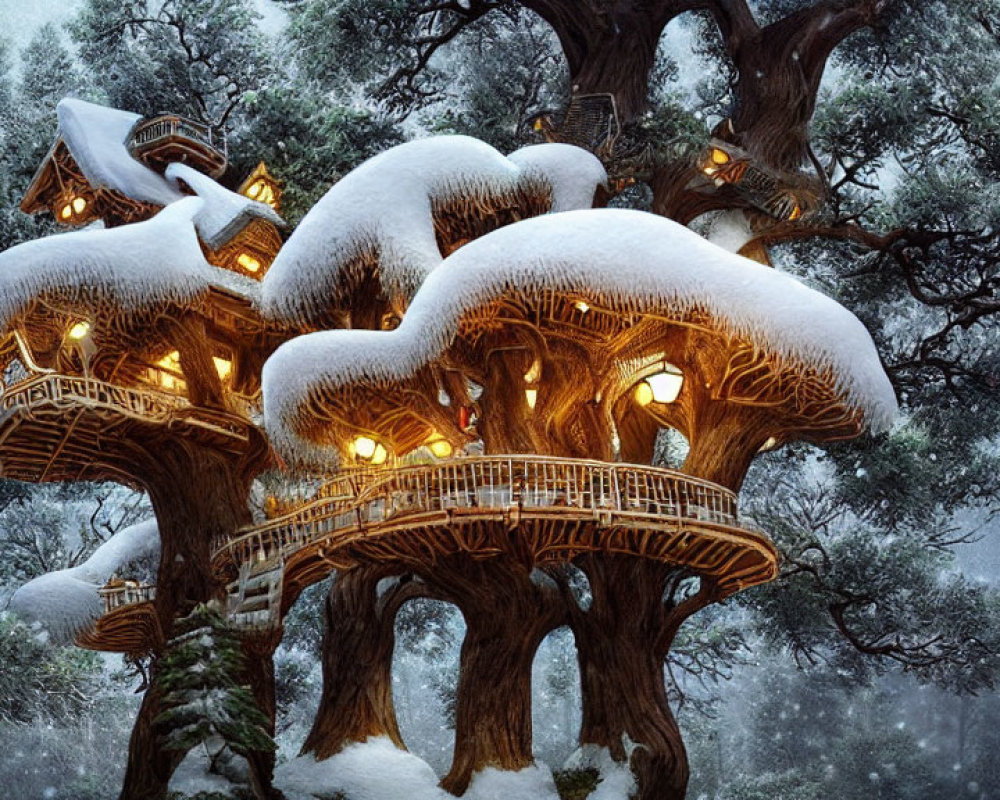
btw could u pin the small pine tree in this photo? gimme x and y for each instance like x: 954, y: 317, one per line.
x: 201, y: 693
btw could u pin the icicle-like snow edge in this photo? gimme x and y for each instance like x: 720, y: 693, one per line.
x: 626, y: 258
x: 383, y: 209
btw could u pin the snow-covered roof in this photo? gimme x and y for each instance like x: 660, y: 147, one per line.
x: 134, y: 266
x: 66, y: 602
x: 96, y: 137
x: 630, y: 258
x: 383, y: 210
x: 224, y: 213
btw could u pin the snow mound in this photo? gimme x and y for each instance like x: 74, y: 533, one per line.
x: 135, y: 266
x: 65, y: 602
x: 372, y: 770
x: 96, y: 137
x: 382, y: 211
x: 573, y: 173
x: 224, y: 213
x: 630, y: 258
x: 531, y: 783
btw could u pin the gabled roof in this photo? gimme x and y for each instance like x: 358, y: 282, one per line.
x: 96, y: 137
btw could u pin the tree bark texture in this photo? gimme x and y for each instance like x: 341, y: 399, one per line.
x: 507, y: 616
x: 622, y: 641
x: 358, y: 644
x: 199, y: 494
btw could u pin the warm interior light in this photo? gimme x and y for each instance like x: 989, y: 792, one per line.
x: 248, y: 262
x: 364, y: 447
x: 719, y: 156
x: 79, y: 204
x: 770, y: 444
x: 531, y: 397
x: 796, y: 213
x: 581, y: 306
x: 440, y: 447
x: 67, y: 211
x: 644, y: 394
x: 534, y: 372
x: 223, y: 366
x: 172, y: 364
x: 380, y: 455
x: 79, y: 331
x: 666, y: 385
x: 262, y: 191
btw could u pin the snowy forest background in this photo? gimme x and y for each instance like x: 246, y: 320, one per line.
x: 867, y: 670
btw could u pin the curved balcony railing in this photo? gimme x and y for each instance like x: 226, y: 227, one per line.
x: 487, y: 484
x: 125, y: 594
x: 148, y: 405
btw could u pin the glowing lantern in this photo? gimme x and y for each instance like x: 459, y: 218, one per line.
x: 248, y: 262
x: 79, y: 331
x: 643, y: 394
x: 67, y: 211
x: 581, y: 306
x: 79, y: 204
x: 439, y: 446
x: 531, y: 397
x: 367, y: 449
x: 719, y: 156
x: 666, y: 385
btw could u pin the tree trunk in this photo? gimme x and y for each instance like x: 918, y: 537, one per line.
x: 608, y: 49
x: 506, y: 616
x: 358, y: 644
x: 199, y: 494
x: 622, y: 641
x: 258, y: 650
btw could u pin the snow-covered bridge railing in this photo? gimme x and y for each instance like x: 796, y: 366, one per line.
x: 570, y: 505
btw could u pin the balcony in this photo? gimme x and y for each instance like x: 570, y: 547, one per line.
x: 548, y: 509
x: 169, y: 138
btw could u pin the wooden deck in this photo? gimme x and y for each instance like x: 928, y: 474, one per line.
x: 60, y: 427
x: 539, y: 509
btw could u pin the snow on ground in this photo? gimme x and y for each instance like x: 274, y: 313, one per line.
x: 224, y: 213
x: 382, y: 209
x: 616, y: 780
x: 66, y: 602
x: 96, y: 137
x: 372, y: 770
x: 531, y: 783
x: 621, y: 256
x: 128, y: 265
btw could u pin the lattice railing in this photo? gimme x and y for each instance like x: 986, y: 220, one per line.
x: 168, y: 126
x: 126, y: 594
x: 141, y: 404
x: 487, y: 483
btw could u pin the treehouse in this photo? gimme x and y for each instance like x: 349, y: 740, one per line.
x: 585, y: 334
x: 116, y: 167
x: 782, y: 196
x: 112, y: 340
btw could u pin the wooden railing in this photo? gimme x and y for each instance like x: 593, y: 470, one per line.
x: 170, y: 125
x: 126, y: 594
x: 59, y: 389
x: 142, y: 404
x: 487, y: 484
